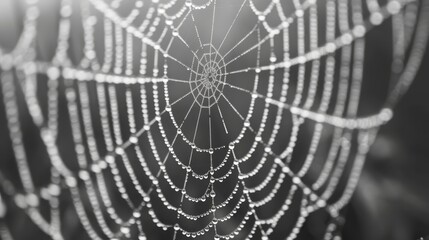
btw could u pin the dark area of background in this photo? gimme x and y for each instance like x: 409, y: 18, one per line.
x: 392, y: 198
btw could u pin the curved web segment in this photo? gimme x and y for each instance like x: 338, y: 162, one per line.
x: 191, y: 116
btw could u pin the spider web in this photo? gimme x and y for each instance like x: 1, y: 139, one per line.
x: 201, y: 119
